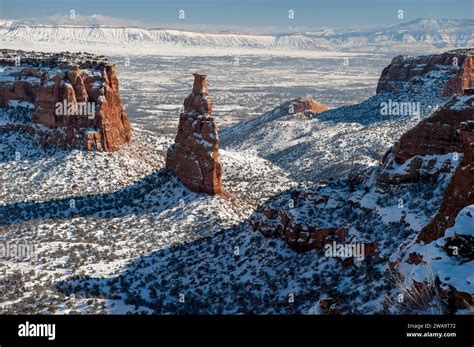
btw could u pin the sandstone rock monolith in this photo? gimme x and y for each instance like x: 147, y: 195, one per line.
x: 194, y: 157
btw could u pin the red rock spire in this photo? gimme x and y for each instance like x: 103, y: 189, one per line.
x: 194, y: 157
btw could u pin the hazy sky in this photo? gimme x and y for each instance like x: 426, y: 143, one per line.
x: 246, y: 13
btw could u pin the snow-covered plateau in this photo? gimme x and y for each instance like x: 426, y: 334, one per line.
x: 419, y: 35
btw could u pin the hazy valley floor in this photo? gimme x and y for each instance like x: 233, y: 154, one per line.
x: 242, y: 87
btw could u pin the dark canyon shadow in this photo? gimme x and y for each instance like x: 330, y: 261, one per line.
x: 126, y: 201
x: 234, y: 270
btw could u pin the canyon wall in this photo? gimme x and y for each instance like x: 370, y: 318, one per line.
x: 74, y: 98
x: 404, y: 69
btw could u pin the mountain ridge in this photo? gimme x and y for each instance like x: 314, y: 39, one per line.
x: 416, y: 35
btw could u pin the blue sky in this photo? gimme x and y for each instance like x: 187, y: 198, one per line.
x: 246, y: 13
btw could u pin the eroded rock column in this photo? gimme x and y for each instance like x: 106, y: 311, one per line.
x: 194, y: 157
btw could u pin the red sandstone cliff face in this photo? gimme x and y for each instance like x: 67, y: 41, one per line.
x: 446, y: 131
x: 436, y: 135
x: 279, y: 222
x: 93, y: 116
x: 438, y: 152
x: 194, y: 156
x: 402, y: 69
x: 460, y: 191
x: 451, y: 129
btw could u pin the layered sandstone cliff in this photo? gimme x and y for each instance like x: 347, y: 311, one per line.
x: 404, y: 69
x: 438, y: 257
x: 194, y: 157
x: 74, y: 98
x: 460, y: 191
x: 437, y: 135
x: 450, y: 130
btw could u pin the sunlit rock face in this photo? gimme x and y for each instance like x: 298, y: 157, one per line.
x: 194, y: 157
x: 405, y: 69
x: 74, y: 99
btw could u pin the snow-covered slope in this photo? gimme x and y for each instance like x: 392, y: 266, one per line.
x: 386, y: 209
x: 328, y: 144
x: 96, y: 212
x: 453, y: 271
x: 415, y: 36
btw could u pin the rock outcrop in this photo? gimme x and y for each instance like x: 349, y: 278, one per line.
x: 446, y: 131
x: 194, y: 157
x: 444, y: 263
x: 306, y: 105
x: 436, y: 136
x: 299, y: 233
x: 74, y: 98
x: 446, y: 242
x: 403, y: 69
x: 460, y: 191
x: 306, y: 220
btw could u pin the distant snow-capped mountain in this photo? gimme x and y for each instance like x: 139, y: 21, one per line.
x: 414, y: 36
x: 418, y: 35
